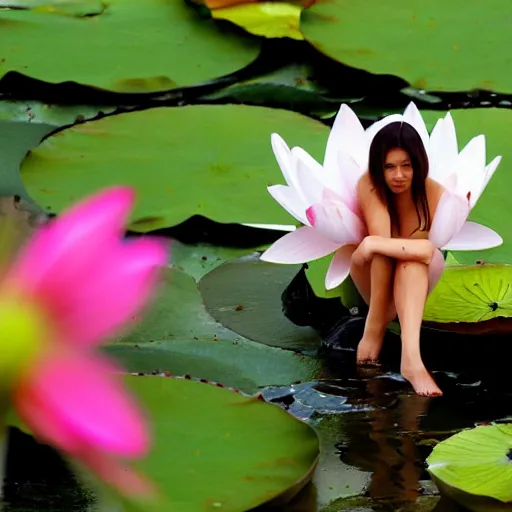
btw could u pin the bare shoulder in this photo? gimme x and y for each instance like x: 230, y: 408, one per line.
x: 434, y: 191
x: 375, y: 212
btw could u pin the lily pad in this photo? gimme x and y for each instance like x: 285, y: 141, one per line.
x: 477, y: 462
x: 238, y: 452
x: 128, y: 47
x: 245, y: 295
x: 70, y: 7
x: 433, y: 45
x: 177, y: 335
x: 473, y: 293
x: 268, y: 19
x: 182, y: 162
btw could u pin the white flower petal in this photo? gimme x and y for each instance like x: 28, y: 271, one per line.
x: 308, y: 173
x: 349, y: 175
x: 451, y: 213
x: 470, y: 168
x: 339, y: 268
x: 288, y: 198
x: 283, y: 157
x: 488, y: 172
x: 474, y: 237
x: 300, y: 246
x: 413, y: 117
x: 348, y: 135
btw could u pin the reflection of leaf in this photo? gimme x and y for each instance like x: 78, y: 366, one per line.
x: 476, y: 461
x: 145, y: 42
x: 269, y: 19
x: 218, y: 450
x: 210, y: 160
x: 435, y: 53
x: 178, y: 335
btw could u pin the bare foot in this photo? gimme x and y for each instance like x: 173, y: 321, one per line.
x: 421, y: 381
x: 369, y: 348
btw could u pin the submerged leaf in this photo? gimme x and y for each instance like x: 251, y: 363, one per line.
x: 476, y: 461
x: 268, y: 19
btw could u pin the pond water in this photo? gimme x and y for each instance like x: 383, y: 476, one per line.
x: 375, y: 433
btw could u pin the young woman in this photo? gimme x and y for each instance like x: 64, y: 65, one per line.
x: 395, y: 267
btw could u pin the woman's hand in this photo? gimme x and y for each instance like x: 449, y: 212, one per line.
x: 365, y: 251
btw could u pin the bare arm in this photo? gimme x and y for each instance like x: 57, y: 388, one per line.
x: 420, y: 250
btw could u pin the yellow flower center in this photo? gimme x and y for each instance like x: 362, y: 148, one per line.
x: 24, y: 328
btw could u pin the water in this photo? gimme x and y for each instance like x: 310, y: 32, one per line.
x: 375, y: 432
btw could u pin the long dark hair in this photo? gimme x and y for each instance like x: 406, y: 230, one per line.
x: 401, y: 135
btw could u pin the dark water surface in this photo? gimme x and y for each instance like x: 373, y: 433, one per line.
x: 375, y: 432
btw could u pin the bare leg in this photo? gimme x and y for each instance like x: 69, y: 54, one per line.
x: 374, y: 281
x: 410, y: 294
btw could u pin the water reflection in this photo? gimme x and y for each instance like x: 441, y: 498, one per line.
x: 376, y: 433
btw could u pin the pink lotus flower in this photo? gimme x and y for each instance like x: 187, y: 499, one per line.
x: 323, y: 197
x: 77, y: 282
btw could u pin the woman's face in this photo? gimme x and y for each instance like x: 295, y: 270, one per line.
x: 398, y: 171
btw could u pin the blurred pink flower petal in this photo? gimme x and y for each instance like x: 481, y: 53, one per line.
x: 72, y: 244
x: 95, y: 306
x: 81, y: 272
x: 77, y: 401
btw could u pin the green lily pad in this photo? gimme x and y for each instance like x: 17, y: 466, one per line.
x: 472, y: 293
x: 55, y: 115
x: 245, y: 295
x: 218, y: 450
x: 177, y: 335
x: 477, y: 462
x: 129, y: 47
x: 268, y: 19
x: 433, y: 45
x: 182, y: 161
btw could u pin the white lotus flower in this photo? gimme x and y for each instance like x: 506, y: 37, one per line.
x: 323, y: 198
x: 464, y: 175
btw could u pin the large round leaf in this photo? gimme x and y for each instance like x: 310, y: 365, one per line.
x: 129, y: 46
x: 178, y: 335
x: 435, y: 45
x: 245, y: 295
x: 218, y: 450
x: 477, y: 462
x: 471, y: 294
x: 215, y: 161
